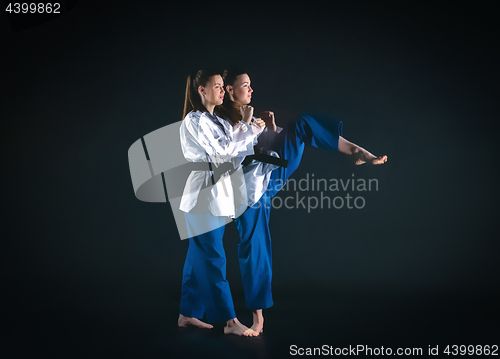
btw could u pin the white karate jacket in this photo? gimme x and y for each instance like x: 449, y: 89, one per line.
x: 208, y: 138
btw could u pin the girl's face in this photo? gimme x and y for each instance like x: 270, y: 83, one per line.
x: 213, y: 92
x: 241, y: 92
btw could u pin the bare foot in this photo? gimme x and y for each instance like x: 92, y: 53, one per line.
x: 360, y: 156
x: 188, y: 321
x: 258, y: 321
x: 235, y: 327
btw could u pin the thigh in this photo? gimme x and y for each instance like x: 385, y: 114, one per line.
x: 320, y: 132
x: 205, y: 225
x: 255, y: 219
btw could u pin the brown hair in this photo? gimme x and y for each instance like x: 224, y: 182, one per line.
x: 192, y: 101
x: 228, y: 110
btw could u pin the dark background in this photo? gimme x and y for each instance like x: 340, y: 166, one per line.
x: 89, y: 271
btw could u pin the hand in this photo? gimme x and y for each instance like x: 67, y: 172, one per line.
x: 246, y: 113
x: 259, y: 123
x: 268, y: 118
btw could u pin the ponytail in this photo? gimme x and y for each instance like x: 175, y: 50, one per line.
x: 192, y: 101
x: 188, y: 104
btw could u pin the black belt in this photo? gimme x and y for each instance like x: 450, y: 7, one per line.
x: 176, y: 177
x: 208, y: 166
x: 266, y: 159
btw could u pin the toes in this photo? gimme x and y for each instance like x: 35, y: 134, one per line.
x: 249, y: 333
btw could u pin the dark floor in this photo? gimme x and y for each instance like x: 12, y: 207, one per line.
x: 340, y: 321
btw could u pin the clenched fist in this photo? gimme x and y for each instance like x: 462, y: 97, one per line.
x: 246, y: 113
x: 259, y: 123
x: 268, y: 118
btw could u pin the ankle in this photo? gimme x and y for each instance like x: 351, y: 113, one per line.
x: 257, y: 316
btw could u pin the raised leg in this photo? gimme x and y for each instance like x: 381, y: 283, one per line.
x: 319, y: 132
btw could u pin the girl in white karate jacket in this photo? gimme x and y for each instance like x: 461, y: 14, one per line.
x: 210, y: 197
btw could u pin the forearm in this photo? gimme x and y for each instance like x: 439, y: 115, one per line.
x: 215, y: 145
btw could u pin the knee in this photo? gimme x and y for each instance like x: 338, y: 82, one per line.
x: 218, y: 262
x: 301, y: 124
x: 302, y: 119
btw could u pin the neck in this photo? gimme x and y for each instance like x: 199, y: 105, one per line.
x: 209, y: 106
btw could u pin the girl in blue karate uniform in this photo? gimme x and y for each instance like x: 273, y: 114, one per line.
x: 254, y: 250
x: 230, y: 134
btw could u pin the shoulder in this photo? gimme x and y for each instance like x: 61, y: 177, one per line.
x: 211, y: 120
x: 204, y: 118
x: 206, y: 123
x: 191, y: 120
x: 190, y: 124
x: 192, y: 116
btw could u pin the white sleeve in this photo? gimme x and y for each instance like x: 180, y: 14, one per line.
x: 266, y: 139
x: 242, y: 130
x: 250, y: 130
x: 215, y: 144
x: 188, y: 135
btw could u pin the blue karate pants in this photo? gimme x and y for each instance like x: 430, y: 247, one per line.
x: 204, y: 285
x: 254, y: 254
x: 320, y: 132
